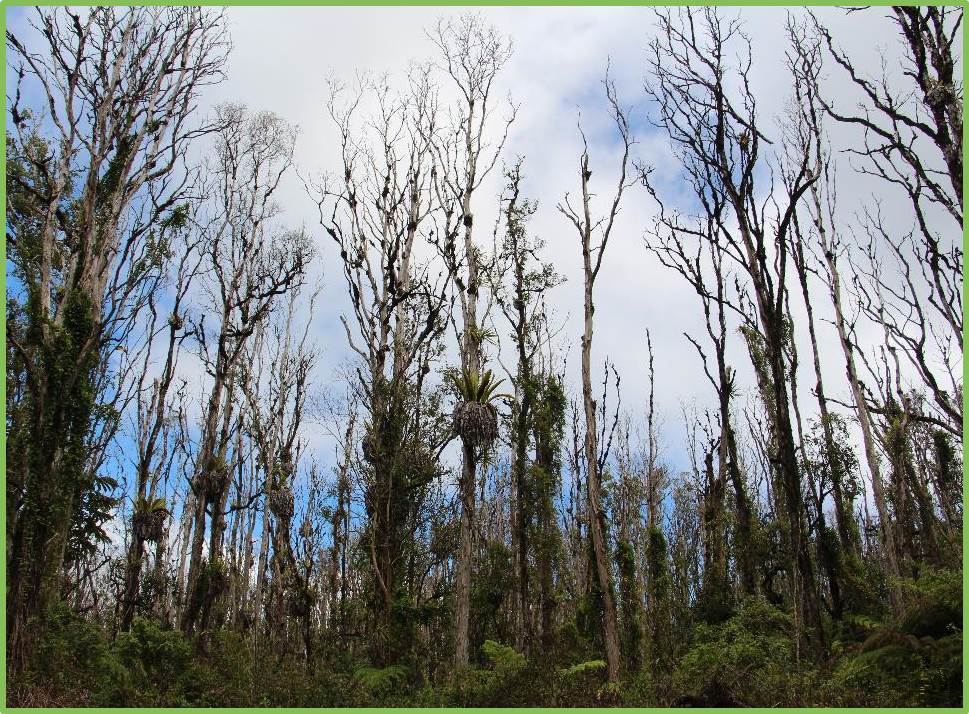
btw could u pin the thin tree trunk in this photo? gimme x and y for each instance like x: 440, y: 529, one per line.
x: 865, y: 422
x: 596, y: 516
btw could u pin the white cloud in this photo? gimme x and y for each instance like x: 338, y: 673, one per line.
x: 282, y: 56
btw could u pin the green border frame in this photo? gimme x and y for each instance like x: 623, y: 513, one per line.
x: 446, y: 4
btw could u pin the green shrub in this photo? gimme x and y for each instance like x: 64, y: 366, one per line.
x: 72, y: 663
x: 500, y: 684
x: 915, y: 661
x: 638, y: 690
x: 226, y: 672
x: 580, y: 684
x: 896, y: 670
x: 156, y: 663
x: 749, y: 659
x: 379, y: 686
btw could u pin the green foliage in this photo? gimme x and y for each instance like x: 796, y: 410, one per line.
x: 149, y: 505
x: 582, y: 633
x: 757, y: 347
x: 479, y: 388
x: 95, y: 507
x: 915, y: 660
x: 483, y: 334
x: 64, y: 502
x: 500, y: 684
x: 380, y: 680
x: 639, y: 690
x: 936, y: 586
x: 73, y: 661
x: 176, y: 219
x: 112, y: 178
x: 948, y: 461
x: 582, y: 668
x: 630, y: 607
x: 491, y: 585
x: 503, y: 659
x: 750, y: 659
x: 580, y: 684
x: 900, y: 671
x: 156, y: 663
x: 658, y: 582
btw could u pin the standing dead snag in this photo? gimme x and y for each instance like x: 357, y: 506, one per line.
x: 522, y: 302
x: 252, y: 264
x: 472, y: 54
x: 590, y: 229
x: 155, y: 426
x: 695, y: 252
x: 105, y: 147
x: 377, y: 211
x: 912, y: 141
x: 828, y: 242
x: 275, y: 379
x: 806, y: 134
x: 714, y: 127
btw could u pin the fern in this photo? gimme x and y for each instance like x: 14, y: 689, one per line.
x: 581, y: 668
x: 503, y: 658
x: 375, y: 678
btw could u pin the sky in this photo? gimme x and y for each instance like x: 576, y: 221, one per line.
x: 282, y: 57
x: 281, y: 60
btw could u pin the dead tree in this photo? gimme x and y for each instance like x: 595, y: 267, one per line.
x: 827, y: 241
x: 522, y: 302
x: 912, y: 140
x: 594, y: 234
x: 693, y: 249
x: 378, y: 210
x: 155, y: 426
x: 275, y: 381
x: 252, y: 264
x: 472, y: 55
x: 715, y: 130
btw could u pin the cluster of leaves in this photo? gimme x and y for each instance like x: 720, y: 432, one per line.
x: 750, y: 659
x: 475, y: 387
x: 913, y: 661
x: 149, y: 505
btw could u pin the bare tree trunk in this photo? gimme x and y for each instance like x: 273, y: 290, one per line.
x: 864, y: 421
x: 161, y: 606
x: 472, y: 54
x: 596, y: 516
x: 585, y: 226
x: 189, y: 507
x: 260, y: 593
x: 844, y: 517
x: 462, y: 564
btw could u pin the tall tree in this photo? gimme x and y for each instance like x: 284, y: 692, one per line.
x: 594, y: 234
x: 912, y: 141
x: 156, y: 429
x: 471, y: 54
x: 693, y: 250
x: 253, y: 262
x: 523, y: 303
x: 717, y: 132
x: 106, y: 143
x: 377, y: 212
x: 829, y: 242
